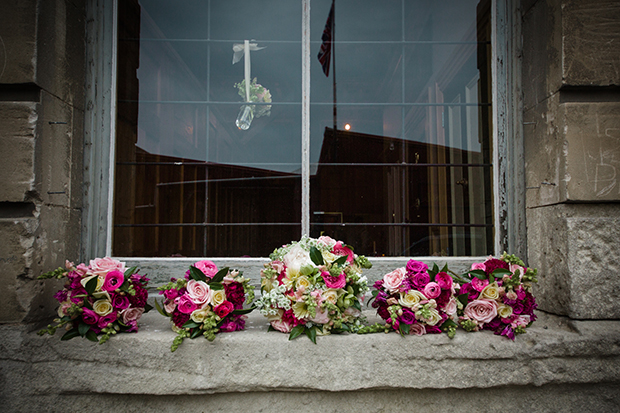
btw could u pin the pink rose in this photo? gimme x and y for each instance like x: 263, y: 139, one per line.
x: 170, y: 306
x: 113, y: 280
x: 82, y: 269
x: 130, y: 314
x: 327, y: 241
x: 102, y: 266
x: 199, y: 292
x: 444, y: 280
x: 321, y: 317
x: 224, y: 309
x: 207, y: 267
x: 479, y: 284
x: 477, y: 266
x: 432, y: 290
x: 514, y: 267
x: 451, y: 306
x: 278, y: 266
x: 334, y: 282
x: 340, y: 249
x: 186, y: 305
x: 281, y: 325
x: 483, y: 311
x: 417, y: 329
x: 394, y: 279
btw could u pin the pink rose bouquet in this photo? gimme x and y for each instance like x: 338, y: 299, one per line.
x: 102, y: 298
x: 206, y: 302
x: 415, y: 300
x: 313, y: 286
x: 497, y: 295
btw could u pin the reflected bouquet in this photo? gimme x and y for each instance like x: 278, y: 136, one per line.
x: 497, y: 295
x: 313, y: 286
x: 416, y: 300
x: 102, y: 298
x: 206, y: 302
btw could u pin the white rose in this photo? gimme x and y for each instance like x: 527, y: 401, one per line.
x: 504, y: 311
x: 219, y: 296
x: 102, y: 307
x: 199, y: 316
x: 296, y: 258
x: 411, y: 298
x: 331, y: 295
x: 434, y: 318
x: 491, y: 291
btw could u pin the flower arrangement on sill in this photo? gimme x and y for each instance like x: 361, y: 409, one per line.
x: 102, y: 298
x: 206, y: 302
x: 415, y: 300
x: 494, y: 295
x: 313, y: 286
x: 497, y: 295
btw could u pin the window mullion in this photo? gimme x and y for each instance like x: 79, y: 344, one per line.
x: 305, y: 118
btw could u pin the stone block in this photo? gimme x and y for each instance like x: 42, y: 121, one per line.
x: 17, y: 140
x: 18, y: 32
x: 575, y: 248
x: 572, y: 152
x: 61, y: 50
x: 591, y: 34
x: 560, y: 364
x: 542, y: 51
x: 59, y: 153
x: 592, y: 134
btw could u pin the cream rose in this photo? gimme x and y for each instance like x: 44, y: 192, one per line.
x: 102, y: 295
x: 102, y: 307
x: 491, y: 291
x: 504, y: 310
x: 331, y: 295
x: 411, y: 298
x: 296, y: 258
x: 394, y: 279
x: 434, y: 317
x: 219, y: 296
x: 199, y: 316
x: 328, y: 256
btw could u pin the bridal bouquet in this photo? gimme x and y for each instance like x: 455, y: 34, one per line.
x: 497, y: 295
x: 313, y: 286
x: 101, y: 298
x: 206, y: 302
x: 416, y: 300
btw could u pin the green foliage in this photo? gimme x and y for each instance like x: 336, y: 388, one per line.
x: 57, y: 273
x: 316, y: 256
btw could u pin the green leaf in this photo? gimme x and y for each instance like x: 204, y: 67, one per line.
x: 311, y: 333
x: 500, y: 272
x: 195, y: 333
x: 91, y: 285
x: 316, y: 256
x: 83, y: 328
x: 160, y: 310
x: 92, y: 336
x: 147, y: 307
x: 70, y: 334
x: 344, y: 327
x: 375, y: 293
x: 435, y: 268
x: 219, y: 276
x: 191, y: 324
x: 356, y: 304
x: 404, y: 328
x: 478, y: 274
x: 463, y: 299
x: 449, y: 323
x: 216, y: 286
x: 131, y: 271
x: 341, y: 260
x: 445, y: 268
x: 196, y: 274
x: 243, y: 310
x: 296, y: 332
x: 271, y: 328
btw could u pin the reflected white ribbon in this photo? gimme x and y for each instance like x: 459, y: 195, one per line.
x: 244, y: 50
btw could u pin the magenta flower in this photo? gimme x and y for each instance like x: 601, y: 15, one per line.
x: 340, y: 249
x: 120, y: 302
x: 493, y: 263
x: 113, y: 280
x: 479, y: 284
x: 415, y: 267
x: 408, y: 317
x: 90, y: 317
x: 224, y: 309
x: 334, y: 282
x: 419, y: 280
x: 444, y: 280
x: 106, y: 320
x: 186, y: 305
x: 207, y: 267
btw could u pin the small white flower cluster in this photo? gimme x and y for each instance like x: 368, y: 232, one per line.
x: 272, y: 301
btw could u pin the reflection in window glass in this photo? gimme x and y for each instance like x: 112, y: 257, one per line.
x: 411, y: 175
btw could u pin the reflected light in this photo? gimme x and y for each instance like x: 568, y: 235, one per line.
x: 347, y: 126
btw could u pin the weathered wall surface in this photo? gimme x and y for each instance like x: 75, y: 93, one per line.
x: 41, y: 135
x: 571, y: 67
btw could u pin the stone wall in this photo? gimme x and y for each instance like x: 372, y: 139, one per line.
x: 571, y: 72
x: 41, y: 136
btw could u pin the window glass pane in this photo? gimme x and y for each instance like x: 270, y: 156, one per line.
x: 189, y: 181
x: 408, y: 171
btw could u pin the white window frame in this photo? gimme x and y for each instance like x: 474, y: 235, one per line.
x: 99, y: 141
